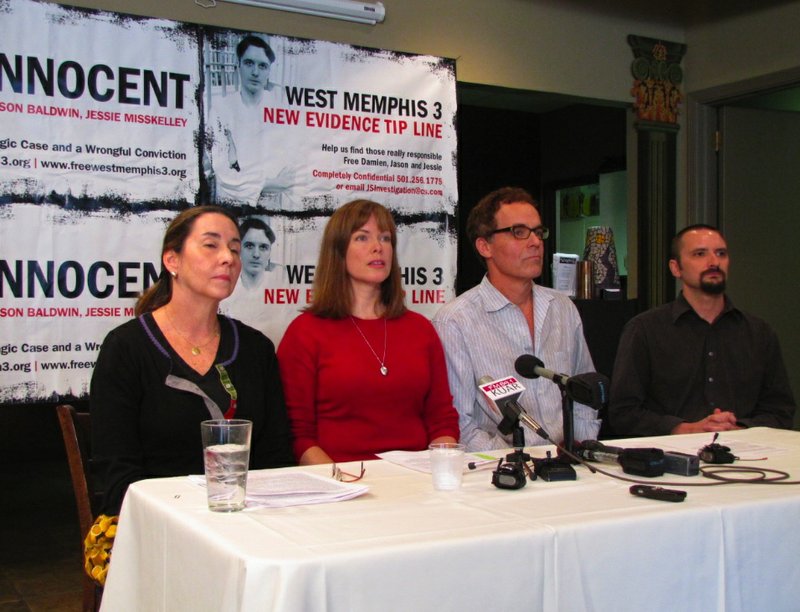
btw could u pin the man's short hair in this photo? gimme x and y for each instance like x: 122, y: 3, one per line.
x: 481, y: 221
x: 253, y: 223
x: 675, y: 245
x: 254, y: 41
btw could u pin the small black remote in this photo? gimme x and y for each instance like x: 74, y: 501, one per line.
x: 651, y: 492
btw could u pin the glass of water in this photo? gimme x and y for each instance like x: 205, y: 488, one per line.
x: 447, y: 465
x: 226, y: 455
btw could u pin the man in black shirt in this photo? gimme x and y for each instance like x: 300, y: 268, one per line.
x: 699, y: 363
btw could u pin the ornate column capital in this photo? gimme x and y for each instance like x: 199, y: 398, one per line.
x: 657, y: 74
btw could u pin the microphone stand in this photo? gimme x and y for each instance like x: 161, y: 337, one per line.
x: 567, y: 408
x: 510, y: 425
x: 567, y: 418
x: 518, y: 440
x: 590, y: 388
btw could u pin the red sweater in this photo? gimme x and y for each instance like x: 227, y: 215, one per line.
x: 337, y: 398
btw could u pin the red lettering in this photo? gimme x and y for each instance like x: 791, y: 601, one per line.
x: 429, y: 130
x: 281, y: 296
x: 281, y: 116
x: 427, y: 296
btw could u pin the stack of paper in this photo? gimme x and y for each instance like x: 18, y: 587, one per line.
x: 277, y: 489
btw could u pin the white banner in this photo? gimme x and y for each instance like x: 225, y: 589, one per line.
x: 110, y: 124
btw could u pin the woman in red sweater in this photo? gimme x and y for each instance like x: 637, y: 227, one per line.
x: 361, y: 373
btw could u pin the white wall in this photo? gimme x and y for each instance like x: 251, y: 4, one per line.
x: 523, y: 44
x: 743, y: 48
x: 534, y: 45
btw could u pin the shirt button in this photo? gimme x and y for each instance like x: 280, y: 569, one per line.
x: 710, y: 379
x: 710, y: 353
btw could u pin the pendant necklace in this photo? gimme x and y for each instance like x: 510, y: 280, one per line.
x: 195, y: 348
x: 382, y: 361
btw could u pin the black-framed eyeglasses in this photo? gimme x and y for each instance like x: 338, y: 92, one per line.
x: 522, y: 232
x: 338, y: 474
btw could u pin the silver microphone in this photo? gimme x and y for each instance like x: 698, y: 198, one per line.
x: 502, y: 394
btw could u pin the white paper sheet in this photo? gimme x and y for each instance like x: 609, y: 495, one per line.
x: 272, y: 489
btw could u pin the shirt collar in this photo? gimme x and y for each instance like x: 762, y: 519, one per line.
x: 681, y: 307
x: 493, y: 300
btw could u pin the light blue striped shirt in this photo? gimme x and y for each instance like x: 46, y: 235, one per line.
x: 483, y: 333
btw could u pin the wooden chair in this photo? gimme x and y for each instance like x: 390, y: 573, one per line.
x: 76, y: 430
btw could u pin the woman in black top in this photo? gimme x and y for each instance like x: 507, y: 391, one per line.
x: 179, y: 363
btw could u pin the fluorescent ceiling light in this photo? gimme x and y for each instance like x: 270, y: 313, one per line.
x: 348, y: 10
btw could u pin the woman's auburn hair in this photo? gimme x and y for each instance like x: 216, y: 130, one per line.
x: 332, y: 291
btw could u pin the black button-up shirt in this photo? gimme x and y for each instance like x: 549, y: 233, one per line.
x: 672, y: 366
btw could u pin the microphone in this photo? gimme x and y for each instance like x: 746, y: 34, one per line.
x: 590, y: 388
x: 637, y: 461
x: 592, y: 450
x: 529, y: 366
x: 501, y: 395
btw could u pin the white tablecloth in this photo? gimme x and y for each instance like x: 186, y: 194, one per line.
x: 586, y: 544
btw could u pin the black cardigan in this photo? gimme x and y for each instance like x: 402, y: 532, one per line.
x: 142, y: 428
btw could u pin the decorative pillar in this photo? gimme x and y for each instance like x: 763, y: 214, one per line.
x: 657, y: 76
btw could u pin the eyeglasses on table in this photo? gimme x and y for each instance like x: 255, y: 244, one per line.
x: 338, y: 474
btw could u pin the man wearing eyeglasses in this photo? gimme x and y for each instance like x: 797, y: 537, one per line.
x: 698, y: 364
x: 485, y: 329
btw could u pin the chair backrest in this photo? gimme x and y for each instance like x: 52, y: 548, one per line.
x: 76, y: 430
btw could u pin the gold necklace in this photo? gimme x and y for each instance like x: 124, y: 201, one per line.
x: 382, y: 361
x: 195, y: 348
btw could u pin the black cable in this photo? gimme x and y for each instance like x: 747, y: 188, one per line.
x: 712, y: 472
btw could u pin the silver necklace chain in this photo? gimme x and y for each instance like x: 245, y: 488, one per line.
x: 384, y: 369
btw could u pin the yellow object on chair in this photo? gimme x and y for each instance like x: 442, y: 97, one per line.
x: 97, y: 547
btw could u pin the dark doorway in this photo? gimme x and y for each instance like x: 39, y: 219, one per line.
x: 541, y: 142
